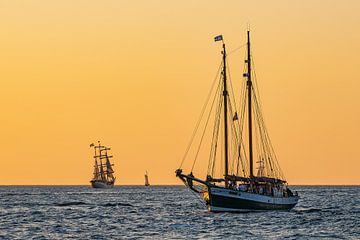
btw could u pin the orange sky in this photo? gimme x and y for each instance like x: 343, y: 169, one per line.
x: 134, y: 74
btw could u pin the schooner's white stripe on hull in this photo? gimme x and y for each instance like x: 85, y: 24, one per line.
x: 222, y: 209
x: 253, y: 197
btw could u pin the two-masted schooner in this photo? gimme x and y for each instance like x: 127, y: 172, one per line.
x: 103, y: 171
x: 238, y: 138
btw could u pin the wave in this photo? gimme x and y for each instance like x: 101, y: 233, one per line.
x: 117, y: 204
x: 77, y: 203
x: 307, y: 210
x: 65, y: 204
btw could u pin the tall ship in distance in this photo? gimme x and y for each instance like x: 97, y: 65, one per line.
x: 233, y: 138
x: 103, y: 168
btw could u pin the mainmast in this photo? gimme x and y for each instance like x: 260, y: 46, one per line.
x: 225, y: 93
x: 249, y: 86
x: 101, y: 164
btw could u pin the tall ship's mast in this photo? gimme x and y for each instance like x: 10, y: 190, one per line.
x: 244, y: 138
x: 103, y: 168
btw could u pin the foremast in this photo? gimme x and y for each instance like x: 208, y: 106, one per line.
x: 225, y: 94
x: 188, y: 179
x: 249, y: 88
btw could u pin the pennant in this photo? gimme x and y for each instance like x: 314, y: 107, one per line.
x: 218, y: 38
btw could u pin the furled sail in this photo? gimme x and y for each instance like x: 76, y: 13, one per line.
x: 108, y: 167
x: 96, y: 171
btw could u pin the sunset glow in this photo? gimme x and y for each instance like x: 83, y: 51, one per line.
x: 135, y: 74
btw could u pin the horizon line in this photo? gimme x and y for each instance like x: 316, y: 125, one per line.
x: 81, y: 185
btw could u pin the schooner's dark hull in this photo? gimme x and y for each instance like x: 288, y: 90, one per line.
x: 226, y: 200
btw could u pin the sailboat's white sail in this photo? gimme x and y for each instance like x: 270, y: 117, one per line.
x: 147, y: 179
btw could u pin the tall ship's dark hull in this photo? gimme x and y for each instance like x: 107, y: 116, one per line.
x: 225, y: 200
x: 101, y: 184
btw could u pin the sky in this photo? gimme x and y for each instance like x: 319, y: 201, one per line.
x: 134, y: 74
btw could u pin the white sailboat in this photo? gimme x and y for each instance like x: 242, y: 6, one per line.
x: 147, y: 179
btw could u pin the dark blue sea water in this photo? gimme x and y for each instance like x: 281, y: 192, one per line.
x: 169, y: 212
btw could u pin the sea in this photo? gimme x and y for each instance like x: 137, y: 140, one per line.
x: 170, y: 212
